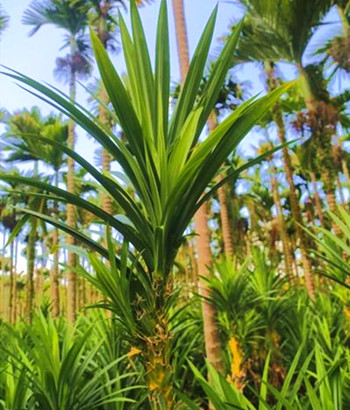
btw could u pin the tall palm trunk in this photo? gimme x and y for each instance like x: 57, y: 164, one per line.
x: 12, y: 285
x: 211, y: 330
x: 54, y: 273
x: 295, y: 207
x: 225, y: 220
x: 71, y: 217
x: 30, y: 269
x: 318, y: 200
x: 287, y: 250
x: 224, y: 214
x: 340, y: 189
x: 181, y: 37
x: 194, y: 264
x: 345, y: 170
x: 103, y: 114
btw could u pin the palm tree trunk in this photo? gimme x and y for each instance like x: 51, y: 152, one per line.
x: 340, y: 189
x: 318, y: 200
x: 39, y: 286
x: 224, y: 214
x: 106, y: 157
x: 71, y: 218
x: 30, y: 270
x: 295, y: 207
x: 287, y: 251
x: 210, y: 323
x: 211, y: 330
x: 225, y: 220
x: 12, y: 283
x: 54, y: 276
x: 345, y: 170
x: 181, y: 38
x: 54, y: 273
x: 194, y: 265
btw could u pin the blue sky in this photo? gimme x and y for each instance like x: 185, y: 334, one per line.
x: 35, y: 56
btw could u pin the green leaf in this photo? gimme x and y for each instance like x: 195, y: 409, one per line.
x: 16, y: 230
x: 192, y: 82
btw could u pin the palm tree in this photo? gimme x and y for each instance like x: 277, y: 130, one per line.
x: 168, y: 175
x: 337, y: 49
x: 56, y: 130
x: 9, y: 219
x: 290, y: 27
x: 22, y: 130
x: 287, y: 251
x: 26, y: 150
x: 272, y: 23
x: 73, y: 18
x: 307, y: 166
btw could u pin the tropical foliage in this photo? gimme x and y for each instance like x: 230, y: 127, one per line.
x: 178, y: 273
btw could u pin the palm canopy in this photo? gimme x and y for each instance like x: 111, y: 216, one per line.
x: 22, y: 130
x: 277, y: 30
x: 72, y: 17
x: 102, y: 16
x: 162, y: 157
x: 66, y: 14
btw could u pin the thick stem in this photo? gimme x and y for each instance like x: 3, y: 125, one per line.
x: 54, y: 272
x: 318, y: 200
x: 224, y: 213
x: 288, y: 260
x: 181, y: 37
x: 210, y: 323
x: 158, y: 368
x: 107, y: 205
x: 30, y: 269
x: 12, y: 283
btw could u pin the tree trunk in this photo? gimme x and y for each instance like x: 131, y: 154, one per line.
x: 345, y: 170
x: 55, y: 272
x: 71, y: 218
x: 224, y: 213
x: 12, y: 284
x: 340, y: 189
x: 106, y: 157
x: 181, y: 38
x: 318, y: 200
x: 30, y: 269
x: 194, y: 265
x: 287, y: 251
x: 295, y: 207
x: 210, y: 323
